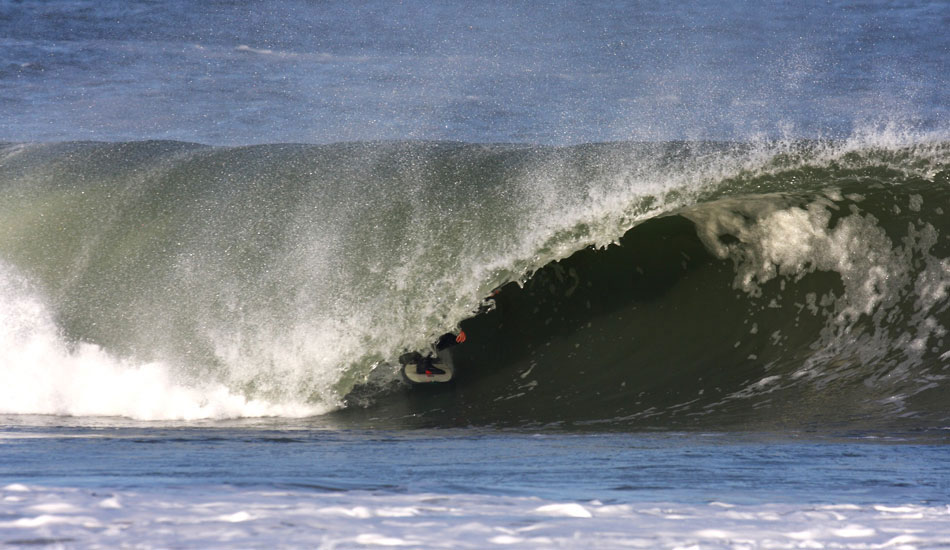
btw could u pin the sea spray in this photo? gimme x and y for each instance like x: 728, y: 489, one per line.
x: 45, y: 374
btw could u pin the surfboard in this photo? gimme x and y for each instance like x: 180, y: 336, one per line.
x: 443, y: 361
x: 409, y: 371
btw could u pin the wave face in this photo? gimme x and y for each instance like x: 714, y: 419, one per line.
x: 784, y: 283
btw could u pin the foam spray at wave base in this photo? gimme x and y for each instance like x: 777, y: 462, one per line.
x: 641, y: 284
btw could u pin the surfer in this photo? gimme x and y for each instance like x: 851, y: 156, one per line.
x: 426, y: 368
x: 426, y: 364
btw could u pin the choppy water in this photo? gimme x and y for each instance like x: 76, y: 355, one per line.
x: 718, y: 234
x: 553, y: 73
x: 292, y: 486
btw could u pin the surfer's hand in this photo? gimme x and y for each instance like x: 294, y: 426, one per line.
x: 461, y: 337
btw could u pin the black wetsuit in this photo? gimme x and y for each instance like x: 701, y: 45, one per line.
x: 426, y: 364
x: 447, y: 340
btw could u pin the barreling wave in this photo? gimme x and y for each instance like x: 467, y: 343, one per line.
x: 642, y: 284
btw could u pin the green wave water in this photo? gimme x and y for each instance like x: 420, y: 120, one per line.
x: 641, y: 282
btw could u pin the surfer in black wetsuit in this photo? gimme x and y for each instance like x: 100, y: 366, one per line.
x: 426, y: 364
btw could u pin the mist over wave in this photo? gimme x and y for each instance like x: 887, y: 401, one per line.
x: 641, y: 282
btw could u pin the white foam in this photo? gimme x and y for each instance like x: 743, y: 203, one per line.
x: 259, y: 51
x: 227, y: 517
x: 895, y: 509
x: 571, y: 510
x: 236, y: 517
x: 853, y: 531
x: 50, y: 520
x: 54, y: 508
x: 787, y: 237
x: 506, y: 539
x: 359, y: 512
x: 111, y: 503
x: 43, y: 374
x: 372, y: 539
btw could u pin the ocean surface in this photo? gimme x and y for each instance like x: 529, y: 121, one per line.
x: 700, y: 252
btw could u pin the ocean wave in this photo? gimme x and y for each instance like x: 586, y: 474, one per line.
x: 641, y: 282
